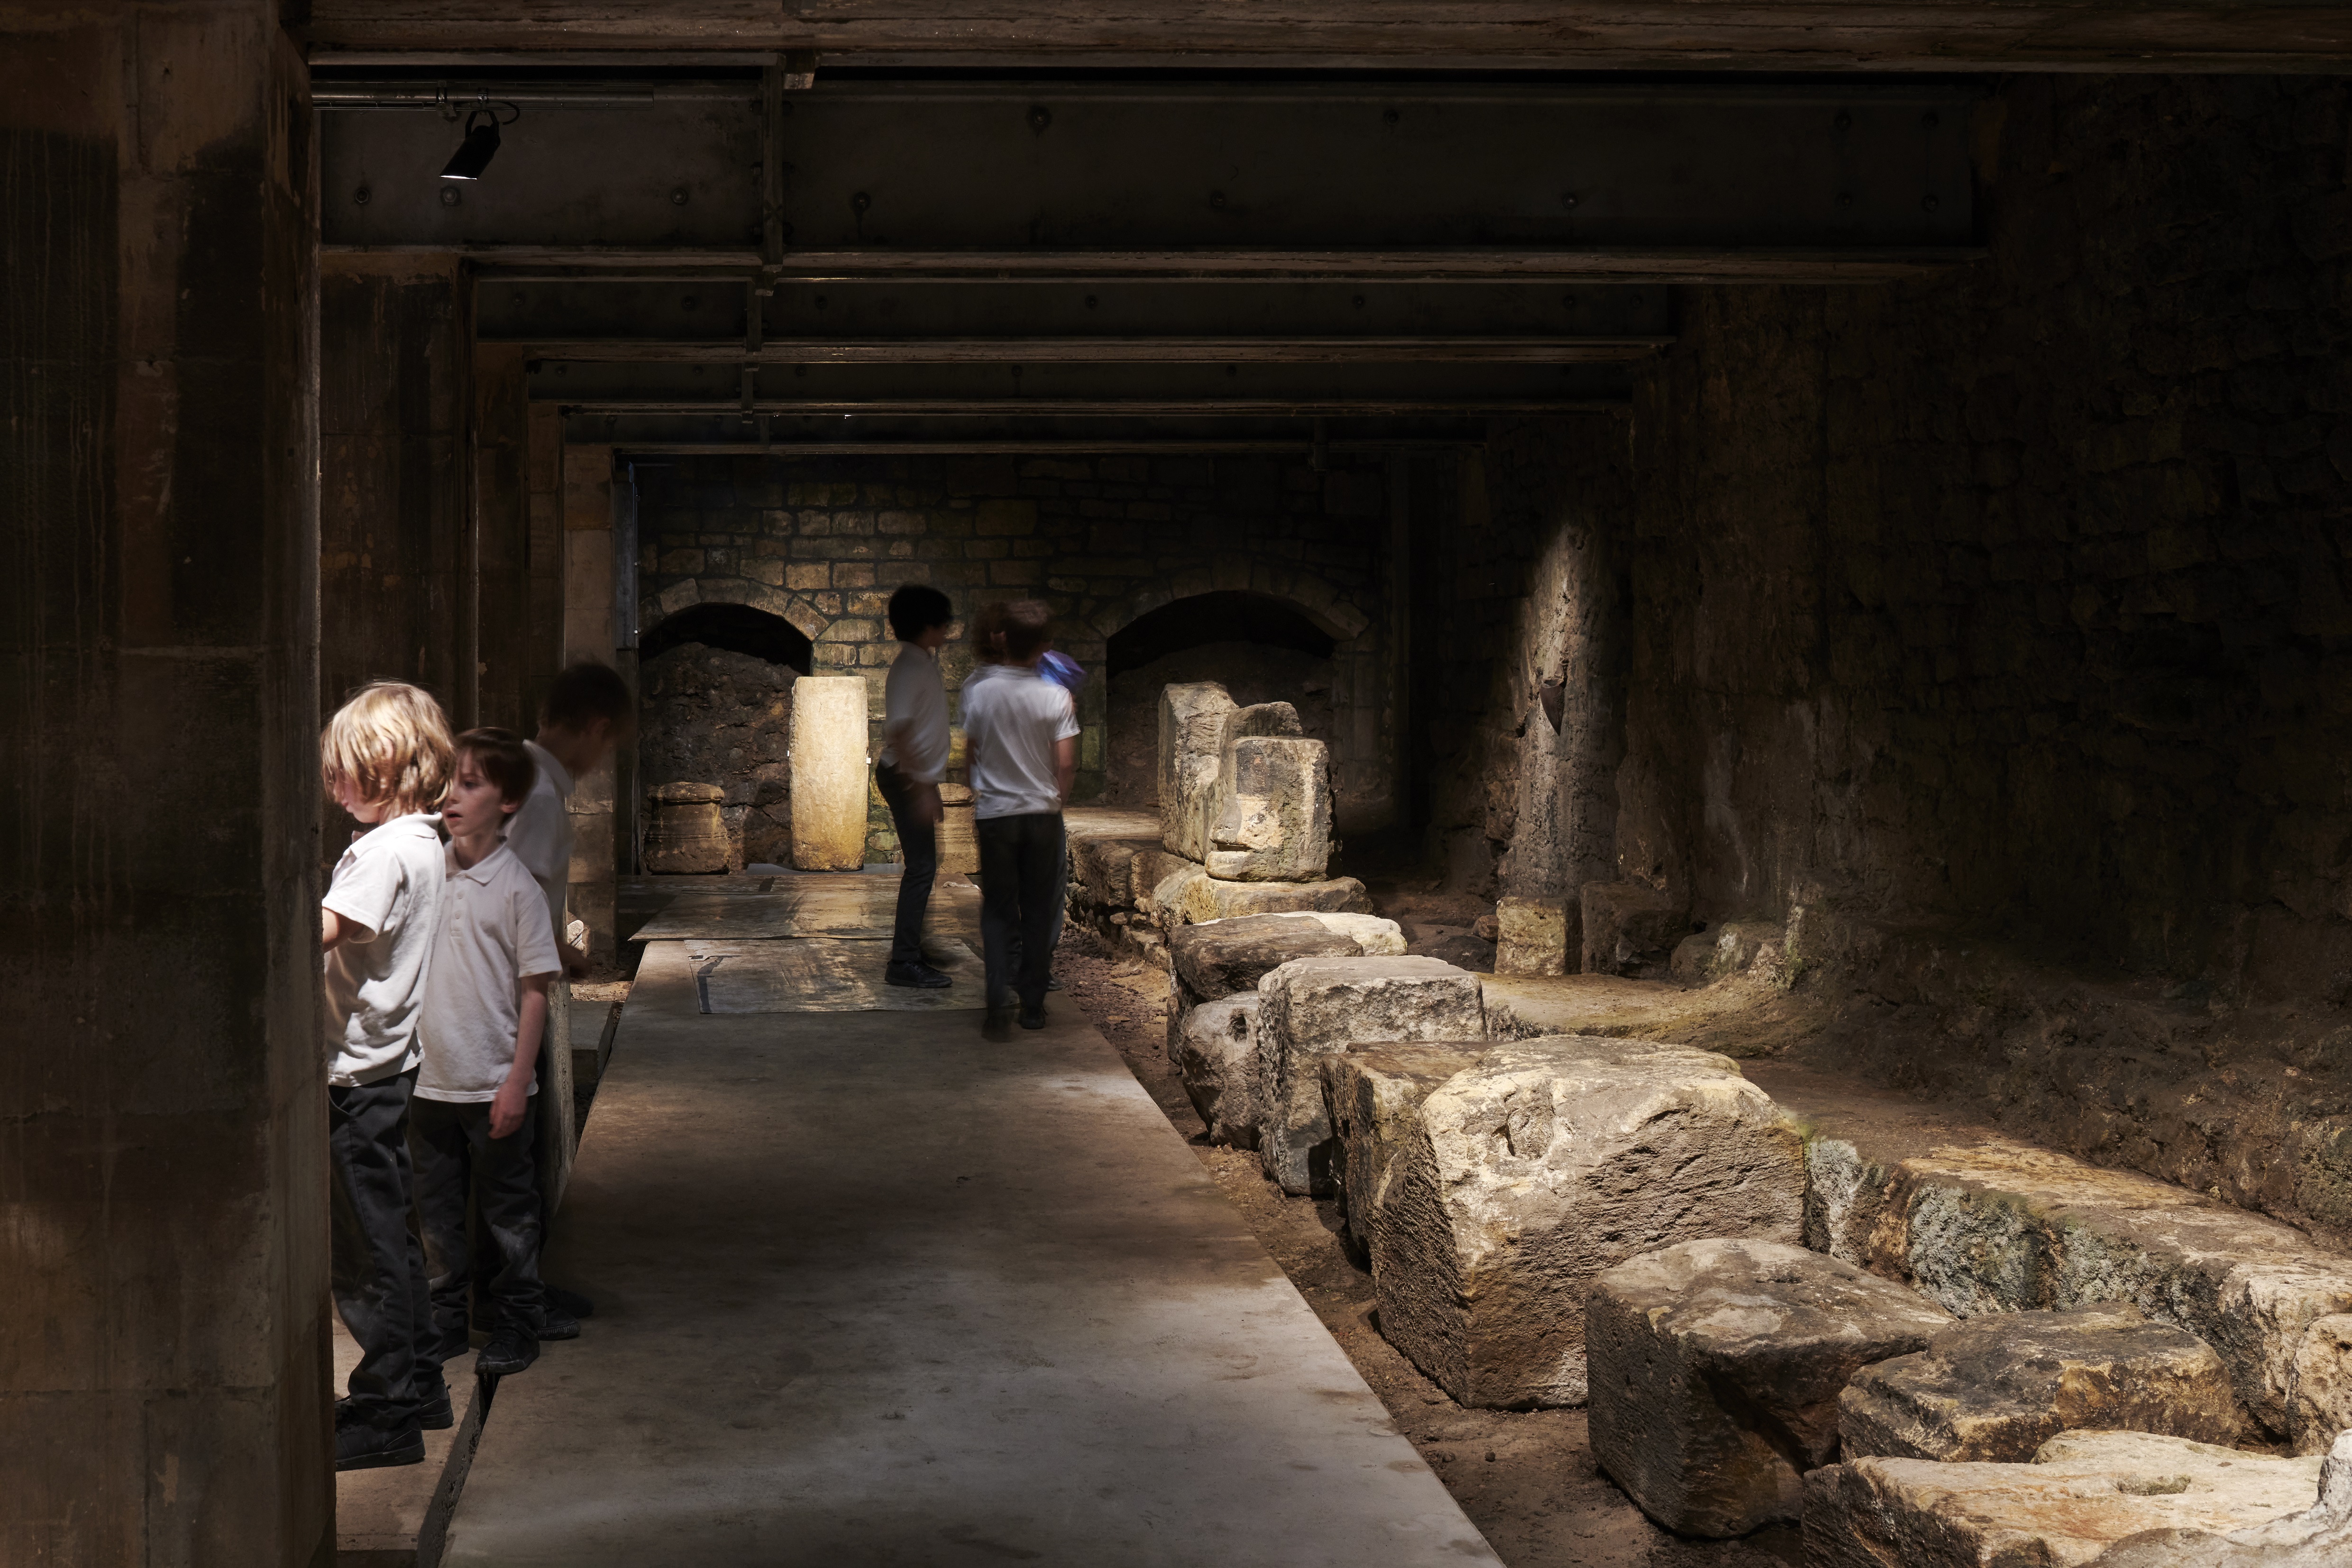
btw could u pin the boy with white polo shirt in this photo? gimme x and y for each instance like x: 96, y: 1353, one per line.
x: 471, y: 1124
x: 385, y: 758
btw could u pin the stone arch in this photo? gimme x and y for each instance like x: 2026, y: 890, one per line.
x: 797, y: 610
x: 1322, y: 605
x: 738, y: 628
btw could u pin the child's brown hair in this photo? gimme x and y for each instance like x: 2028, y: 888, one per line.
x: 1028, y: 627
x: 392, y: 740
x: 502, y: 759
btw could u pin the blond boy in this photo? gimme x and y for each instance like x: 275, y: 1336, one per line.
x: 385, y: 759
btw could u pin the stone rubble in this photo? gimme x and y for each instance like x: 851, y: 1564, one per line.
x: 1313, y: 1007
x: 1996, y: 1388
x: 1716, y: 1368
x: 1546, y: 1163
x: 2084, y: 1493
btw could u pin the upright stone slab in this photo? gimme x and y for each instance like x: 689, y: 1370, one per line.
x: 2087, y: 1492
x: 1215, y: 1050
x: 1373, y: 1095
x: 1716, y: 1368
x: 686, y: 834
x: 1546, y: 1164
x: 827, y: 757
x: 1314, y: 1006
x: 1192, y: 738
x: 1273, y: 820
x: 1996, y: 1388
x: 1531, y: 936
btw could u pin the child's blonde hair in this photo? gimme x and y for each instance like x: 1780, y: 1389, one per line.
x: 393, y: 741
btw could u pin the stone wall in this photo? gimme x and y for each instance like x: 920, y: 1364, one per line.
x: 822, y: 542
x: 713, y: 715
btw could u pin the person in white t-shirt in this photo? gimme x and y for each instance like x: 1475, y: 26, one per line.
x: 385, y: 758
x: 585, y: 716
x: 913, y: 759
x: 470, y: 1126
x: 1021, y: 740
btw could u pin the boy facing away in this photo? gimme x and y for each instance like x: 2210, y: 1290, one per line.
x: 385, y: 759
x: 1021, y: 738
x: 470, y: 1128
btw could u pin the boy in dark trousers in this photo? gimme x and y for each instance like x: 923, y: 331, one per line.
x: 913, y: 759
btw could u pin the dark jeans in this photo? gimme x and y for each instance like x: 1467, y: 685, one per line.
x: 456, y: 1158
x: 1021, y: 887
x: 378, y: 1268
x: 920, y: 843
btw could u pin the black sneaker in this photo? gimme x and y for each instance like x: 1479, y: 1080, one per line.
x: 1033, y: 1017
x: 572, y: 1301
x: 1053, y: 983
x: 510, y: 1351
x: 359, y: 1446
x: 921, y: 975
x: 434, y: 1413
x: 555, y: 1324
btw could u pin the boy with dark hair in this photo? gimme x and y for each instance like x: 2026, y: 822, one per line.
x: 907, y: 770
x: 1020, y: 736
x: 385, y: 758
x: 585, y: 716
x: 470, y: 1129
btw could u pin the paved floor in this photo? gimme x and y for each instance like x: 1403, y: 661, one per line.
x: 871, y: 1290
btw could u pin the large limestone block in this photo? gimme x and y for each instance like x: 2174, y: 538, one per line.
x: 1997, y: 1226
x: 1373, y: 1095
x: 1215, y: 1052
x: 1547, y: 1163
x: 2319, y: 1537
x: 827, y: 757
x: 1531, y: 936
x: 2320, y: 1389
x: 1316, y: 1006
x: 2088, y: 1491
x: 1716, y: 1367
x: 1189, y: 896
x: 1996, y: 1388
x: 1102, y: 872
x: 1374, y: 937
x: 1221, y: 957
x: 1273, y: 820
x: 1191, y: 740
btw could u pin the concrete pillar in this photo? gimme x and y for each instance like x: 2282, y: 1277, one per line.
x: 164, y: 1376
x: 588, y: 633
x: 828, y: 773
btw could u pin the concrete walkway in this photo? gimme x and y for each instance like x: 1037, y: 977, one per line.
x: 871, y: 1290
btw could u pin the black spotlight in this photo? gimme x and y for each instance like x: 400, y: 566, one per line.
x: 473, y: 154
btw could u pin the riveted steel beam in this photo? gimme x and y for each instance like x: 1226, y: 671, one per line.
x: 816, y: 434
x: 1071, y: 179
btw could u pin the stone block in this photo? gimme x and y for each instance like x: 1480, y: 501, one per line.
x: 2319, y: 1390
x: 1316, y: 1006
x: 830, y: 784
x: 1189, y: 896
x: 1374, y: 937
x: 1531, y: 936
x: 1735, y: 947
x: 1102, y: 874
x: 1628, y: 925
x: 1547, y: 1163
x: 1272, y: 819
x: 1716, y: 1367
x: 1995, y: 1388
x: 1151, y: 867
x: 1216, y: 1051
x: 1225, y: 957
x: 1998, y: 1226
x: 2085, y: 1492
x: 1373, y: 1095
x: 1192, y: 739
x: 687, y: 833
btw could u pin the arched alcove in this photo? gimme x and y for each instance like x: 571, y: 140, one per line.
x: 1262, y: 649
x: 715, y: 683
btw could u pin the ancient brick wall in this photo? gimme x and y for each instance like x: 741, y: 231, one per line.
x: 2020, y: 596
x: 823, y: 542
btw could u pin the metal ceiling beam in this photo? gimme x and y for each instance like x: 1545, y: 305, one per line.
x: 1612, y: 34
x: 1079, y: 388
x: 997, y: 432
x: 1237, y: 178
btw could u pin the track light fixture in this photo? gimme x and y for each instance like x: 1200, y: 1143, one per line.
x: 481, y: 144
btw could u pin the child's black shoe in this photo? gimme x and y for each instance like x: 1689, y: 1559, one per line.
x: 434, y: 1412
x: 555, y: 1324
x: 359, y: 1446
x: 510, y: 1351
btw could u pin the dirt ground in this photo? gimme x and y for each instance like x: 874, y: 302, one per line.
x: 1526, y: 1479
